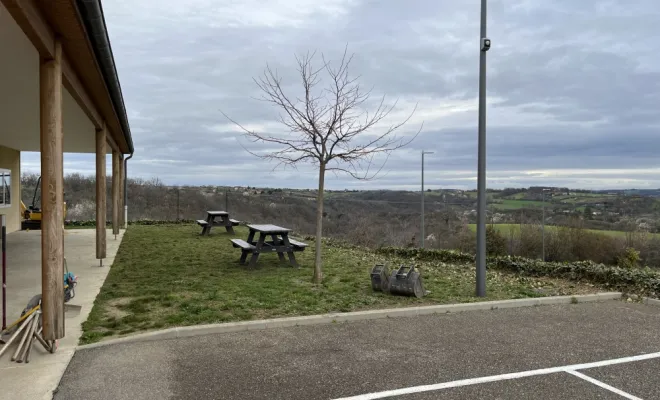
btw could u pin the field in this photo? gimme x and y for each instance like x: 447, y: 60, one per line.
x: 505, y: 229
x: 508, y: 204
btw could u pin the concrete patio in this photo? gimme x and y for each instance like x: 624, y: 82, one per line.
x: 41, y: 376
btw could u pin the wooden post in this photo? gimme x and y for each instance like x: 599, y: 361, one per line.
x: 115, y: 191
x: 52, y: 195
x: 121, y: 190
x: 101, y: 196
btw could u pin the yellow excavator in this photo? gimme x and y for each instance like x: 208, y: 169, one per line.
x: 32, y: 214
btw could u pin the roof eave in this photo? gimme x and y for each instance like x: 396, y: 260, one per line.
x: 91, y: 14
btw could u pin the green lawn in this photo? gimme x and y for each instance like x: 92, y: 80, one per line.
x: 504, y: 229
x: 168, y: 275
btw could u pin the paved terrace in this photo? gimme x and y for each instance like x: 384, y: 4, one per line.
x: 37, y: 380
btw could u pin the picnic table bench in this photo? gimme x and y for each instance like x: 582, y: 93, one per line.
x: 279, y: 243
x: 211, y: 221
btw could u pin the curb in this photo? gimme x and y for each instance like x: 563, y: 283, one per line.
x: 199, y: 330
x: 651, y: 302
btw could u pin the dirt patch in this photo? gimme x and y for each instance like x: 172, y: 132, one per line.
x: 113, y: 307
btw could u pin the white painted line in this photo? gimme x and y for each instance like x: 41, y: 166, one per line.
x: 603, y: 385
x: 502, y: 377
x: 613, y: 361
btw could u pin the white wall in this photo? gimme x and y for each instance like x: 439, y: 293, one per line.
x: 11, y: 159
x: 19, y: 97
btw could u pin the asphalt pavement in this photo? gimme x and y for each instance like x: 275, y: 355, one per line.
x: 356, y: 358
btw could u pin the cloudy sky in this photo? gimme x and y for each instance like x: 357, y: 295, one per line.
x: 573, y: 87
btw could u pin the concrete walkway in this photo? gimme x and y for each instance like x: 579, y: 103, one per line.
x: 38, y: 379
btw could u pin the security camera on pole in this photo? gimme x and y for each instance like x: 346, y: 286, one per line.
x: 481, y: 174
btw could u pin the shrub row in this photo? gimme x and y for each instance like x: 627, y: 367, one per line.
x: 643, y: 281
x: 138, y: 222
x: 447, y: 256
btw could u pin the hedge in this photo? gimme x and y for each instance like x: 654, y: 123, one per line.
x: 446, y: 256
x: 138, y: 222
x: 643, y: 281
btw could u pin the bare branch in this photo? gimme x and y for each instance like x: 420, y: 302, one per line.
x: 328, y: 126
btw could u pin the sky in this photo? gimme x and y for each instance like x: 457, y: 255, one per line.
x: 573, y: 92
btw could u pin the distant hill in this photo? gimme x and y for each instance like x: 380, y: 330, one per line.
x: 345, y: 209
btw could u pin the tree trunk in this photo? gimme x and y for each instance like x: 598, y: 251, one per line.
x: 318, y: 273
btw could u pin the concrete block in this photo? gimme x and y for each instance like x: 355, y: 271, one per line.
x: 401, y: 312
x: 554, y: 300
x: 651, y: 302
x: 599, y: 297
x: 361, y: 315
x: 256, y: 325
x: 479, y: 306
x: 283, y: 322
x: 200, y: 330
x: 316, y: 319
x: 530, y: 302
x: 170, y: 333
x: 280, y: 323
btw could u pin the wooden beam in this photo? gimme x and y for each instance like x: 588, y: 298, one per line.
x: 78, y: 92
x: 115, y: 192
x: 101, y: 196
x: 52, y: 199
x: 122, y: 177
x: 111, y: 142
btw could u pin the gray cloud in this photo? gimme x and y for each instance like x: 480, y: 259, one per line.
x: 573, y: 86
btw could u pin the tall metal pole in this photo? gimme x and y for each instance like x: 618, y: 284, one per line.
x: 543, y: 224
x: 484, y: 45
x: 422, y: 199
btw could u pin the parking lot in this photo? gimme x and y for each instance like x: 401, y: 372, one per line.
x: 608, y: 350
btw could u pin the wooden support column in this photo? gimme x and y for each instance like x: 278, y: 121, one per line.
x: 115, y: 191
x: 101, y: 196
x: 122, y: 177
x: 52, y: 195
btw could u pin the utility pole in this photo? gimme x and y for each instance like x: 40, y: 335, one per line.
x: 226, y: 200
x: 484, y: 46
x: 543, y: 225
x: 423, y: 152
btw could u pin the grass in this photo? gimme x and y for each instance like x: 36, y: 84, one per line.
x: 518, y: 196
x: 168, y: 275
x: 504, y: 229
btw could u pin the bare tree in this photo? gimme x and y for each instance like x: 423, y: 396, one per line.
x: 327, y: 127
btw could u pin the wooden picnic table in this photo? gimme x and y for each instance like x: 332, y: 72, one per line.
x: 280, y: 243
x: 210, y: 222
